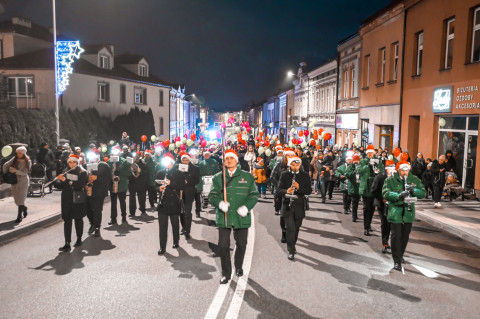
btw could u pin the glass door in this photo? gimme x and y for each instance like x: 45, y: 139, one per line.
x: 470, y: 161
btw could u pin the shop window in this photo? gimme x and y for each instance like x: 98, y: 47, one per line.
x: 454, y: 123
x: 475, y: 56
x: 449, y: 34
x: 455, y: 142
x: 473, y: 124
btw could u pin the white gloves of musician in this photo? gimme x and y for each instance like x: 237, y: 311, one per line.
x: 242, y: 211
x: 223, y: 206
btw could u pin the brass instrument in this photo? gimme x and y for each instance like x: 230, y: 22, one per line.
x: 162, y: 182
x: 409, y: 200
x: 116, y: 179
x: 89, y: 189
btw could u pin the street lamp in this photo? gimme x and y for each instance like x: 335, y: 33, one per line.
x: 57, y: 115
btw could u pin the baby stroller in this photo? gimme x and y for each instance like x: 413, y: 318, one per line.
x: 452, y: 189
x: 207, y: 186
x: 38, y: 178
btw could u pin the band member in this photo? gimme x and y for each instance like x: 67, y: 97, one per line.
x: 353, y: 185
x: 234, y: 213
x: 138, y: 185
x: 369, y: 167
x: 294, y: 184
x: 208, y: 167
x: 151, y: 173
x: 381, y: 203
x: 191, y: 175
x: 121, y: 172
x: 169, y: 205
x: 74, y: 179
x: 399, y: 190
x: 340, y: 173
x: 99, y: 180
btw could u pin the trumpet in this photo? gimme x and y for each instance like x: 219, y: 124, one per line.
x: 116, y: 179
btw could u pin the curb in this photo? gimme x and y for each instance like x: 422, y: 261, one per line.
x: 34, y: 227
x: 449, y: 228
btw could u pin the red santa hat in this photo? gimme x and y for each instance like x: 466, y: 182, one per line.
x: 289, y: 151
x: 356, y: 158
x: 168, y: 157
x: 231, y: 153
x: 278, y: 146
x: 73, y: 158
x: 295, y: 159
x: 280, y: 150
x: 259, y: 160
x: 185, y: 154
x: 403, y: 165
x: 389, y: 163
x: 370, y: 149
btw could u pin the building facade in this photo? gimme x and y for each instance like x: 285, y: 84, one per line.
x: 299, y: 118
x: 441, y: 99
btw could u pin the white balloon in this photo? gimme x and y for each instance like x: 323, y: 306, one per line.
x: 261, y: 150
x: 291, y: 145
x: 177, y: 144
x: 268, y: 152
x: 184, y: 140
x: 303, y: 145
x: 189, y: 142
x: 237, y: 129
x: 171, y: 147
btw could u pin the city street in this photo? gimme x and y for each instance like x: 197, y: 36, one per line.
x: 338, y: 272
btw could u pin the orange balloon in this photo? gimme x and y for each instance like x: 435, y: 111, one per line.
x: 313, y: 143
x: 261, y: 133
x: 396, y: 152
x: 300, y: 133
x: 320, y: 131
x: 318, y: 146
x: 404, y: 157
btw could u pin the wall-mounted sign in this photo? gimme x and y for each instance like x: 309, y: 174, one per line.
x: 442, y: 100
x: 347, y: 121
x: 467, y: 97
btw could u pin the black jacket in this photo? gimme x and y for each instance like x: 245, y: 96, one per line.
x: 104, y: 179
x: 305, y: 188
x: 377, y: 186
x: 418, y: 167
x: 169, y: 202
x: 438, y: 177
x: 192, y: 178
x: 79, y: 178
x: 46, y: 157
x: 139, y: 183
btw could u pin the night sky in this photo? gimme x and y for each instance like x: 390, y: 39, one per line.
x: 229, y: 52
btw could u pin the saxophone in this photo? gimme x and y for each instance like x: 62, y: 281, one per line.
x: 116, y: 179
x: 162, y: 182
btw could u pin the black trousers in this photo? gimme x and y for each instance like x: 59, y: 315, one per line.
x: 163, y: 229
x: 437, y: 193
x: 400, y: 235
x: 293, y: 228
x: 368, y: 210
x: 122, y: 198
x: 347, y: 201
x: 385, y: 225
x: 186, y: 217
x: 49, y: 178
x: 329, y: 186
x: 283, y: 226
x: 94, y: 210
x: 67, y: 228
x: 142, y: 197
x: 198, y: 203
x: 354, y: 199
x: 152, y: 195
x: 240, y: 235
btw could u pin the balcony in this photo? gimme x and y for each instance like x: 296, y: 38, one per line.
x: 28, y: 101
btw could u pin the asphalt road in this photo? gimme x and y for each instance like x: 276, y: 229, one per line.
x: 338, y: 273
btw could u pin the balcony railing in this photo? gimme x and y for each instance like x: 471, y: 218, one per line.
x: 28, y: 101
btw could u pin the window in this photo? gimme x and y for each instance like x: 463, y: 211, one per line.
x: 476, y: 36
x: 394, y: 61
x: 1, y: 49
x: 352, y: 93
x: 418, y: 69
x: 345, y: 84
x: 381, y: 66
x: 161, y: 126
x: 161, y: 98
x: 140, y: 96
x: 142, y: 70
x: 123, y: 93
x: 20, y: 86
x: 449, y: 43
x: 366, y: 79
x: 104, y: 62
x: 103, y: 92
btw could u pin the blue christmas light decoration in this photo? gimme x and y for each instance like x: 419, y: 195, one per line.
x: 65, y: 54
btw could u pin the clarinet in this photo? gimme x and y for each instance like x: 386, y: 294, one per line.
x: 160, y: 202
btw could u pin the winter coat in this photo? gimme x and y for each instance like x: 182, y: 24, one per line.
x: 241, y: 191
x: 353, y: 180
x: 450, y: 164
x: 367, y: 175
x: 69, y: 209
x: 418, y: 167
x: 20, y: 189
x: 123, y: 170
x: 139, y: 183
x: 377, y: 187
x: 313, y: 170
x: 208, y: 167
x: 305, y: 188
x: 277, y: 171
x: 151, y: 171
x: 438, y: 177
x: 46, y: 157
x: 103, y: 182
x: 306, y: 163
x: 191, y: 177
x: 398, y: 211
x: 169, y: 202
x: 341, y: 171
x: 259, y: 174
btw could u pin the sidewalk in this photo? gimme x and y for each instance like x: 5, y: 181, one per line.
x: 5, y: 190
x: 460, y: 218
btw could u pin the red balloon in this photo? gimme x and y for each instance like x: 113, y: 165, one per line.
x: 396, y: 152
x: 327, y: 136
x: 300, y: 133
x: 183, y: 147
x: 201, y: 137
x: 185, y: 135
x: 404, y: 157
x: 300, y: 141
x: 267, y: 144
x: 177, y: 139
x: 248, y: 129
x: 166, y: 143
x: 193, y: 136
x: 306, y: 133
x: 320, y: 131
x: 203, y: 143
x: 294, y: 141
x: 144, y: 138
x: 313, y: 143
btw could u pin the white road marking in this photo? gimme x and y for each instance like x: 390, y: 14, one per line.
x: 426, y: 272
x: 222, y: 291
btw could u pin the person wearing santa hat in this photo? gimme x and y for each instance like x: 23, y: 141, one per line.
x: 72, y: 182
x: 234, y: 213
x: 271, y: 165
x: 138, y: 186
x: 381, y: 203
x: 151, y: 173
x: 260, y: 175
x: 401, y: 212
x: 340, y: 173
x: 208, y: 167
x: 170, y: 205
x: 191, y: 175
x: 369, y: 167
x: 353, y: 178
x: 122, y: 170
x: 293, y: 186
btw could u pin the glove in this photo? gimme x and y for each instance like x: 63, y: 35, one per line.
x: 242, y: 211
x: 402, y: 195
x: 223, y: 206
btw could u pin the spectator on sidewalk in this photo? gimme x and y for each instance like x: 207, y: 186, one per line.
x: 19, y: 165
x: 46, y: 157
x: 419, y: 166
x: 450, y: 162
x: 427, y: 178
x: 438, y: 179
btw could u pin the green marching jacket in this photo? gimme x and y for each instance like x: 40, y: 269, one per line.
x: 208, y: 167
x: 398, y: 211
x: 342, y: 170
x: 367, y: 176
x: 351, y: 175
x: 122, y: 170
x: 241, y: 191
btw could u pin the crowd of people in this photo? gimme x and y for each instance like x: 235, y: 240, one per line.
x: 171, y: 179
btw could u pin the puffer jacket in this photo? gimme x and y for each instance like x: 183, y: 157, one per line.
x: 259, y: 174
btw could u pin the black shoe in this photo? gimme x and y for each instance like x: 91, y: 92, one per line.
x: 112, y: 222
x: 198, y: 215
x: 367, y: 232
x: 239, y: 272
x: 370, y: 229
x: 131, y: 215
x: 19, y: 214
x: 224, y: 280
x: 384, y: 249
x: 161, y: 251
x: 187, y: 236
x: 402, y: 261
x: 291, y: 256
x: 397, y: 266
x: 79, y: 242
x: 277, y: 213
x: 175, y: 246
x: 182, y: 232
x: 25, y: 211
x: 144, y: 212
x: 329, y: 198
x: 65, y: 248
x: 354, y: 219
x: 97, y: 232
x: 323, y: 201
x: 18, y: 220
x: 345, y: 212
x: 124, y: 220
x: 91, y: 229
x: 284, y: 239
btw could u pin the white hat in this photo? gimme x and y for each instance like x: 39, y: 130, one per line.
x: 294, y: 159
x: 21, y: 149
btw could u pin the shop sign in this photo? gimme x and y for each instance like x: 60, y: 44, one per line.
x: 442, y: 100
x: 467, y: 97
x: 347, y: 121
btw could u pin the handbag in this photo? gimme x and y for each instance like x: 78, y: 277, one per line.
x: 10, y: 178
x: 79, y: 197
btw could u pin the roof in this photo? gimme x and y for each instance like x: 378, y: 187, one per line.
x: 382, y: 11
x: 94, y: 48
x: 36, y: 30
x: 128, y: 58
x: 43, y: 59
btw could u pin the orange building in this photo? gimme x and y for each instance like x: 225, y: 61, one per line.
x: 441, y: 81
x: 380, y: 65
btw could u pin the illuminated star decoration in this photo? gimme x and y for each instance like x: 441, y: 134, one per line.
x: 65, y: 54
